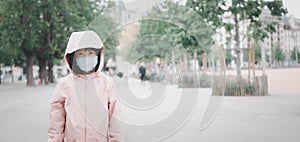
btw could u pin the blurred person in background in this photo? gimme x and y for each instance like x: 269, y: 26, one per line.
x: 142, y: 73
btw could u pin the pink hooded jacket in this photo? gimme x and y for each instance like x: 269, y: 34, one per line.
x: 83, y: 107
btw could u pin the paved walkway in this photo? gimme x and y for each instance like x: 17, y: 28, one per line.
x: 24, y: 113
x: 283, y: 80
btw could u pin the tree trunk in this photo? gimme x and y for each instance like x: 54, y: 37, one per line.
x: 50, y: 72
x: 173, y: 64
x: 253, y: 60
x: 238, y: 56
x: 166, y: 70
x: 185, y: 62
x: 271, y: 62
x: 42, y: 70
x: 0, y: 74
x: 12, y: 74
x: 204, y: 60
x: 263, y: 59
x: 196, y: 63
x: 181, y: 64
x: 238, y: 48
x: 29, y: 69
x: 249, y: 61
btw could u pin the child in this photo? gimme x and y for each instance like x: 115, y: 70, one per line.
x: 83, y: 107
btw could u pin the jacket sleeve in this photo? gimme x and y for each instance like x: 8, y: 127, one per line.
x: 114, y: 134
x: 57, y: 116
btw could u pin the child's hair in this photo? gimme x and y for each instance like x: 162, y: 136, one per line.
x: 72, y: 62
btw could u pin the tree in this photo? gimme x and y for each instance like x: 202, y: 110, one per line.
x: 278, y: 54
x: 213, y: 12
x: 20, y: 24
x: 152, y: 40
x: 8, y: 56
x: 58, y: 20
x: 171, y: 27
x: 295, y: 54
x: 107, y: 29
x: 257, y: 52
x: 41, y: 28
x: 228, y: 57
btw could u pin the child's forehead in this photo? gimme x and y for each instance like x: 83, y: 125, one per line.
x: 84, y: 50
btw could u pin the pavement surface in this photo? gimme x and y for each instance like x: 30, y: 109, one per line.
x: 24, y: 113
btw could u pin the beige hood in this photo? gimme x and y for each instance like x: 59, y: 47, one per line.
x: 84, y: 39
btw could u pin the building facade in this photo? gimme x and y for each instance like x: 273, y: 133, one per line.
x: 286, y: 37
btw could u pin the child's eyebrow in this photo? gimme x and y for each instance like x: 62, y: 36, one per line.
x: 80, y: 50
x: 87, y: 49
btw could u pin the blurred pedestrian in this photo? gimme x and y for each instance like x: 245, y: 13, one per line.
x: 142, y: 73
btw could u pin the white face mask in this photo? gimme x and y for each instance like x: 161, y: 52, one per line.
x: 87, y: 63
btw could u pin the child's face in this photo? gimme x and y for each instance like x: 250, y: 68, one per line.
x: 85, y: 52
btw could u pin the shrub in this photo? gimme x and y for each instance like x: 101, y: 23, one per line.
x: 245, y: 87
x: 188, y: 81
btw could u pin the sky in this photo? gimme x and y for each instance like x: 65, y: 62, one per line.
x: 293, y: 6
